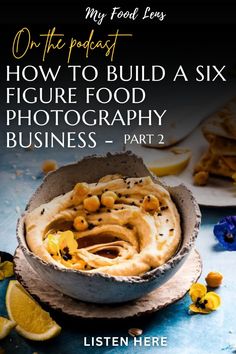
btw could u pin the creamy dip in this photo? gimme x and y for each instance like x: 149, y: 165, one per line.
x: 119, y: 226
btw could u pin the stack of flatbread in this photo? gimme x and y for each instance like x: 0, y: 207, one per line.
x: 220, y: 158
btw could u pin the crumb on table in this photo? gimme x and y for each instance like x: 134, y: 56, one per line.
x: 200, y: 178
x: 48, y: 166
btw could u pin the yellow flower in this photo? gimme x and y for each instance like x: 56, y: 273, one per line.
x: 197, y: 291
x: 67, y: 240
x: 196, y: 309
x: 6, y: 270
x: 53, y: 244
x: 203, y: 301
x: 211, y: 300
x: 60, y: 241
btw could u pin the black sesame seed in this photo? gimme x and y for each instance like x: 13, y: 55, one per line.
x: 159, y: 214
x: 106, y: 190
x: 129, y: 226
x: 127, y: 196
x: 164, y: 208
x: 42, y: 211
x: 167, y: 220
x: 128, y: 182
x: 89, y: 195
x: 140, y: 181
x: 171, y: 230
x: 119, y: 195
x: 135, y: 182
x: 161, y: 234
x: 108, y: 210
x: 128, y: 187
x: 133, y: 203
x: 82, y: 221
x: 74, y: 209
x: 100, y: 219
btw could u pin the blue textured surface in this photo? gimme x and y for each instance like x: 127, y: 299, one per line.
x: 198, y: 334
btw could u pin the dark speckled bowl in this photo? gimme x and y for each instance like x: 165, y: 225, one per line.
x: 95, y: 287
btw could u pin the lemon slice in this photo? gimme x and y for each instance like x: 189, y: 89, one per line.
x: 32, y: 321
x: 5, y: 327
x: 174, y: 162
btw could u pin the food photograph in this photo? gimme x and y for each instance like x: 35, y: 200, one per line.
x: 118, y: 177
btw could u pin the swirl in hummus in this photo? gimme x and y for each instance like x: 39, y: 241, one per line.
x: 119, y: 226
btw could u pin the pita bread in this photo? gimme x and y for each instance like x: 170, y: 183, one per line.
x: 221, y: 146
x: 223, y: 122
x: 216, y: 165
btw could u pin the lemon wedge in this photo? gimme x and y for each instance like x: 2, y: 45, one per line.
x: 32, y: 321
x: 173, y: 163
x: 5, y: 327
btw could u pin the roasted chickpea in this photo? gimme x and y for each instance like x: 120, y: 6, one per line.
x: 92, y: 203
x: 214, y: 279
x: 80, y: 191
x: 108, y: 199
x: 150, y: 203
x: 200, y: 178
x: 48, y: 166
x: 80, y: 223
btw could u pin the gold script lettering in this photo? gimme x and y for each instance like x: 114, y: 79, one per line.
x: 22, y: 43
x: 49, y: 45
x: 90, y: 44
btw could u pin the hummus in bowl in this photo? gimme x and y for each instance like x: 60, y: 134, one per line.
x: 105, y: 230
x: 119, y: 226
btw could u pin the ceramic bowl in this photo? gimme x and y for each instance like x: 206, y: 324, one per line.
x: 101, y: 288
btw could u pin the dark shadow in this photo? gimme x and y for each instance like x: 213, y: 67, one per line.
x: 218, y: 248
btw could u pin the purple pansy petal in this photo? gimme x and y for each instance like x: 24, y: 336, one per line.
x: 225, y: 232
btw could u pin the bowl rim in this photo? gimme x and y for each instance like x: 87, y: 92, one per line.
x: 146, y: 277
